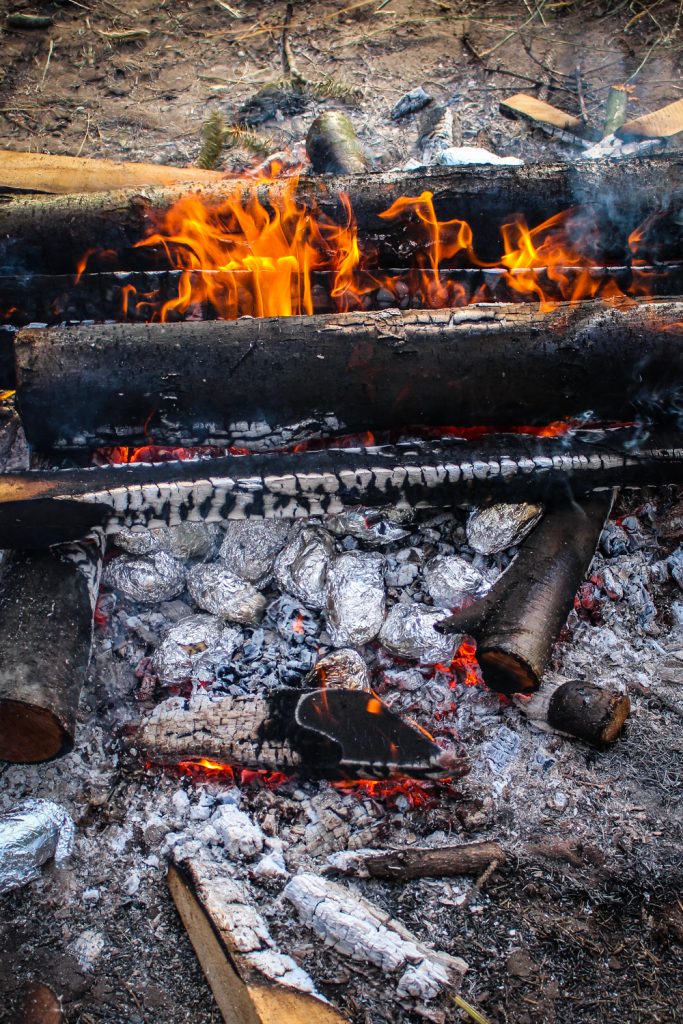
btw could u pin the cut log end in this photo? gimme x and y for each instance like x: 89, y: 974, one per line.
x: 506, y: 672
x: 30, y: 734
x: 588, y: 712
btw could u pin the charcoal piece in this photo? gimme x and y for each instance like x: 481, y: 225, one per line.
x: 408, y: 632
x: 450, y: 580
x: 411, y: 102
x: 614, y: 540
x: 32, y: 833
x: 251, y: 547
x: 301, y: 567
x: 374, y: 526
x: 355, y: 599
x: 218, y: 591
x: 149, y: 580
x: 345, y: 668
x: 498, y: 527
x: 264, y: 105
x: 194, y: 648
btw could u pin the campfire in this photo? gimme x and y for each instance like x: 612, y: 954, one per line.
x: 343, y: 471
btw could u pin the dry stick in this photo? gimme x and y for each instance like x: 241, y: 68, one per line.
x: 419, y: 862
x: 519, y: 620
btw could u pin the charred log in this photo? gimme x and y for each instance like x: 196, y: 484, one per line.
x: 519, y: 620
x: 46, y: 622
x: 333, y: 146
x: 577, y: 708
x: 338, y: 734
x: 51, y: 234
x: 37, y: 509
x: 260, y: 383
x: 418, y: 861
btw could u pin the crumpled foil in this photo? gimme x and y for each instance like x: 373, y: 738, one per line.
x: 498, y: 527
x: 251, y: 547
x: 32, y: 833
x: 408, y: 631
x: 301, y: 567
x: 450, y: 579
x: 156, y: 578
x: 195, y: 648
x: 355, y: 599
x: 186, y: 540
x: 218, y: 591
x: 340, y: 668
x: 374, y: 526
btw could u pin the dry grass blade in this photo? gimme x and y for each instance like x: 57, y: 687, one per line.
x: 470, y: 1010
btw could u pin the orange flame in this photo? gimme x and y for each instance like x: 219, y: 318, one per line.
x: 464, y: 668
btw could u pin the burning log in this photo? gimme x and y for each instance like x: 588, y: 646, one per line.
x: 46, y: 172
x: 338, y: 734
x: 44, y: 653
x: 574, y: 707
x: 519, y: 620
x: 418, y: 861
x: 37, y: 509
x: 253, y: 982
x: 249, y: 382
x: 51, y: 234
x: 355, y: 927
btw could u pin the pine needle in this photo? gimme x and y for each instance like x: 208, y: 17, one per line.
x: 331, y: 88
x: 470, y: 1010
x: 247, y: 138
x: 213, y: 132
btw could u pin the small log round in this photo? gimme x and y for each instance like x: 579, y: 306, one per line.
x: 333, y: 146
x: 589, y: 712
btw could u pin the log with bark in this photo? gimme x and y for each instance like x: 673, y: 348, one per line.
x: 50, y: 235
x: 52, y: 173
x: 519, y: 620
x: 333, y: 146
x: 47, y: 602
x: 337, y: 733
x: 418, y: 861
x: 253, y: 982
x: 258, y: 382
x: 40, y: 508
x: 574, y: 707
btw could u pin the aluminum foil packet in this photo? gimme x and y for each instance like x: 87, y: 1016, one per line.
x: 408, y: 632
x: 497, y: 527
x: 355, y: 599
x: 301, y: 567
x: 32, y: 833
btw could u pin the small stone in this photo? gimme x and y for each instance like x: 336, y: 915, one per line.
x: 411, y: 102
x: 218, y: 591
x: 450, y: 580
x: 355, y: 599
x: 194, y: 648
x: 343, y: 668
x: 301, y: 567
x: 238, y: 833
x: 409, y: 632
x: 497, y: 527
x: 251, y: 546
x: 149, y: 580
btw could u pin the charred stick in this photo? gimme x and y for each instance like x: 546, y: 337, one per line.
x: 592, y: 713
x: 261, y: 383
x: 519, y: 620
x: 37, y: 509
x: 46, y: 621
x: 329, y: 733
x: 418, y: 861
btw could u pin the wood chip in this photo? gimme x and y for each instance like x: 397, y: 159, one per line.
x: 660, y: 124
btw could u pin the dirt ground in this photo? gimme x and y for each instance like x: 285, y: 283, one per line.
x: 566, y: 942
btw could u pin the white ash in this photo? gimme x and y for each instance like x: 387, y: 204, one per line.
x: 356, y: 928
x: 88, y: 948
x: 195, y: 648
x: 220, y: 592
x: 376, y: 527
x: 148, y: 580
x: 31, y: 834
x: 498, y: 527
x: 301, y: 567
x: 355, y: 599
x: 450, y: 580
x: 249, y: 548
x: 461, y: 156
x: 409, y: 632
x: 237, y: 832
x: 344, y: 667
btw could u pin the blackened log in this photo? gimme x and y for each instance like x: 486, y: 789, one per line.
x: 44, y: 508
x: 418, y: 861
x: 596, y: 714
x: 47, y: 602
x: 260, y: 383
x: 520, y: 619
x: 50, y: 235
x: 333, y: 146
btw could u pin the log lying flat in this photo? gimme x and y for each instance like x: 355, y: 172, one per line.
x: 50, y: 235
x: 574, y: 707
x: 262, y: 383
x: 40, y: 508
x: 417, y: 861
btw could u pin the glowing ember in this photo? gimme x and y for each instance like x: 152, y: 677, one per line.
x: 204, y: 768
x: 464, y: 667
x: 400, y: 792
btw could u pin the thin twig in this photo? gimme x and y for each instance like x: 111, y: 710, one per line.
x: 50, y: 51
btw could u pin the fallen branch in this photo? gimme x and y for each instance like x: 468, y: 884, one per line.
x: 417, y: 861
